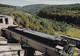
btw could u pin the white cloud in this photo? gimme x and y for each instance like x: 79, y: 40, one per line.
x: 37, y: 0
x: 60, y: 2
x: 31, y: 0
x: 54, y: 1
x: 57, y: 2
x: 28, y: 2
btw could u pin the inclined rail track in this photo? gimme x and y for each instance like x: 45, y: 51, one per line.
x: 32, y: 43
x: 42, y: 44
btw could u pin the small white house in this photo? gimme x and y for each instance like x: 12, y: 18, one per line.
x: 5, y: 21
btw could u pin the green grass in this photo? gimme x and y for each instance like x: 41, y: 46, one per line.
x: 76, y: 52
x: 72, y: 32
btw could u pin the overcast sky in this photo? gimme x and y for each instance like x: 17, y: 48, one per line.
x: 29, y: 2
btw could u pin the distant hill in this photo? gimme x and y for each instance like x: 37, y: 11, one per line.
x: 4, y: 5
x: 9, y: 9
x: 37, y: 7
x: 68, y: 6
x: 34, y: 8
x: 67, y: 13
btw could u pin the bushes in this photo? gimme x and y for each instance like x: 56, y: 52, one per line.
x: 41, y: 25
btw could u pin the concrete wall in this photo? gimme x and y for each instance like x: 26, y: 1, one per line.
x: 10, y: 21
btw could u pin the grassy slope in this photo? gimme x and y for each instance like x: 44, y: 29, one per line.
x: 76, y: 52
x: 73, y: 32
